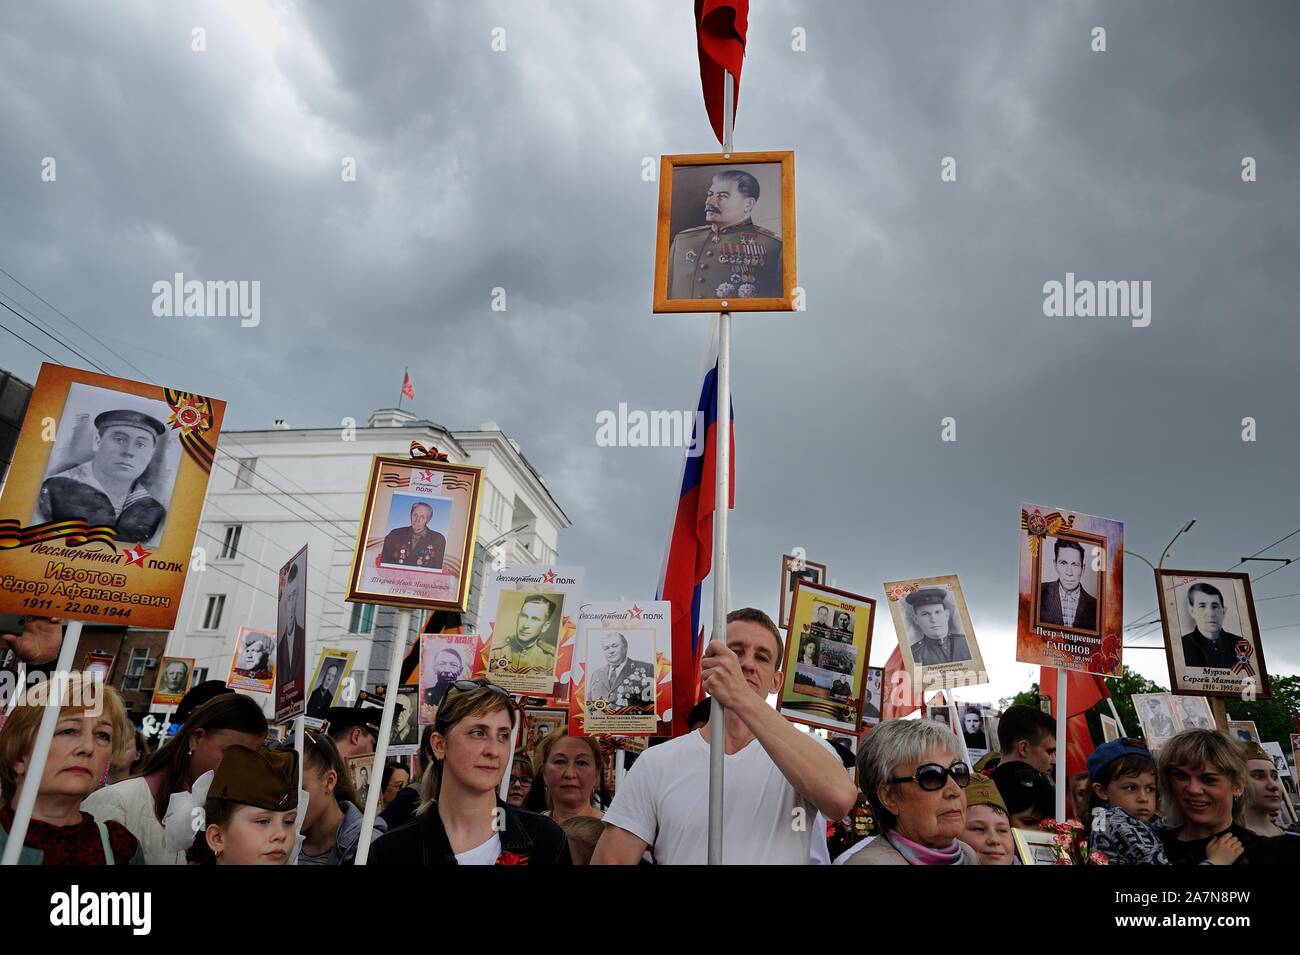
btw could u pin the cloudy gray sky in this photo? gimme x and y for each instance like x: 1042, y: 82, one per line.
x: 522, y: 170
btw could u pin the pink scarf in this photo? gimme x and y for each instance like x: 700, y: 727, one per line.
x: 917, y: 854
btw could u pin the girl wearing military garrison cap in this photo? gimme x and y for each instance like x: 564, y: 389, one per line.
x: 250, y: 813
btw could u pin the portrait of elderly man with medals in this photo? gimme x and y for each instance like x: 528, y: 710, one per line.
x: 107, y: 489
x: 415, y: 545
x: 729, y: 256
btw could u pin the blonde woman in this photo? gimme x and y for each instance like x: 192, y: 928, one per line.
x: 92, y: 730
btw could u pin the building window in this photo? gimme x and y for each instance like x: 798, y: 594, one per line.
x: 246, y: 468
x: 212, y: 616
x: 135, y: 669
x: 363, y: 618
x: 200, y: 675
x: 230, y: 546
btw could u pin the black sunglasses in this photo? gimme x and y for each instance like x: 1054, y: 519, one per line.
x: 932, y: 777
x: 469, y: 686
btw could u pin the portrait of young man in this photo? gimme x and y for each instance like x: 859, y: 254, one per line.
x: 934, y: 628
x: 1207, y: 643
x: 528, y: 642
x: 115, y: 480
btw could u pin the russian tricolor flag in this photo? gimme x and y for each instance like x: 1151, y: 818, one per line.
x: 690, y: 544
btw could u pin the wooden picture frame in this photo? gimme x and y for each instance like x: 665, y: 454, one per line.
x: 967, y: 671
x: 393, y: 478
x: 1172, y: 630
x: 739, y: 301
x: 789, y: 563
x: 1086, y: 541
x: 811, y: 707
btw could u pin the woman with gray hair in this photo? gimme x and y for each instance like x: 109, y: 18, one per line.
x: 916, y: 783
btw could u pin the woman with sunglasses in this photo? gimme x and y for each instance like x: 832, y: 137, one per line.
x: 462, y: 821
x: 916, y: 783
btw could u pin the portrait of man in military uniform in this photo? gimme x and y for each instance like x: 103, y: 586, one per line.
x: 729, y: 256
x: 930, y: 623
x: 530, y: 644
x: 415, y: 545
x: 108, y: 488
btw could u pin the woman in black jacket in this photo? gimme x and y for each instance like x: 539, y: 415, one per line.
x: 465, y: 823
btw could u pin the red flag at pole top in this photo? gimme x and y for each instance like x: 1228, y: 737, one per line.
x: 720, y: 28
x: 408, y: 390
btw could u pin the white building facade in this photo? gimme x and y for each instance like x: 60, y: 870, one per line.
x: 285, y: 488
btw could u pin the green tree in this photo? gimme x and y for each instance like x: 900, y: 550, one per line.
x: 1274, y: 717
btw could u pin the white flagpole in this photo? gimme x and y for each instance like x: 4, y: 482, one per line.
x: 41, y: 747
x: 385, y: 729
x: 503, y: 790
x: 1061, y: 741
x: 721, y: 499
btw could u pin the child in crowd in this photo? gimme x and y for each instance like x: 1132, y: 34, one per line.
x: 251, y: 810
x: 1123, y: 804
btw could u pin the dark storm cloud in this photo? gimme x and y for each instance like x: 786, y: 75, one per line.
x: 521, y: 170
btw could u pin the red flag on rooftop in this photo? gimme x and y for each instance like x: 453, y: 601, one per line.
x: 408, y: 390
x: 720, y: 28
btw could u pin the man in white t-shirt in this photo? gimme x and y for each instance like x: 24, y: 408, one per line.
x: 776, y: 778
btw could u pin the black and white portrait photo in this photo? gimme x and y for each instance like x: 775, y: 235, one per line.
x: 808, y: 650
x: 1155, y: 715
x: 406, y: 727
x: 1068, y: 585
x: 291, y: 638
x: 328, y: 679
x: 842, y: 626
x: 972, y: 726
x: 1212, y: 640
x: 254, y: 660
x: 871, y: 705
x: 113, y: 463
x: 1194, y: 713
x: 934, y: 627
x: 613, y: 673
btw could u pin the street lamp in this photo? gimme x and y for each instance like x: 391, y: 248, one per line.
x: 1186, y: 527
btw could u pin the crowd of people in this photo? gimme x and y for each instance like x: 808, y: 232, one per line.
x: 907, y: 797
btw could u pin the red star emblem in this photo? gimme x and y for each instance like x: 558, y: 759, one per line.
x: 136, y: 555
x: 635, y: 612
x: 426, y: 476
x: 549, y: 576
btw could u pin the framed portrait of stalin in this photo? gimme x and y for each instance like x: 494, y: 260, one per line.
x: 726, y: 235
x: 415, y: 547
